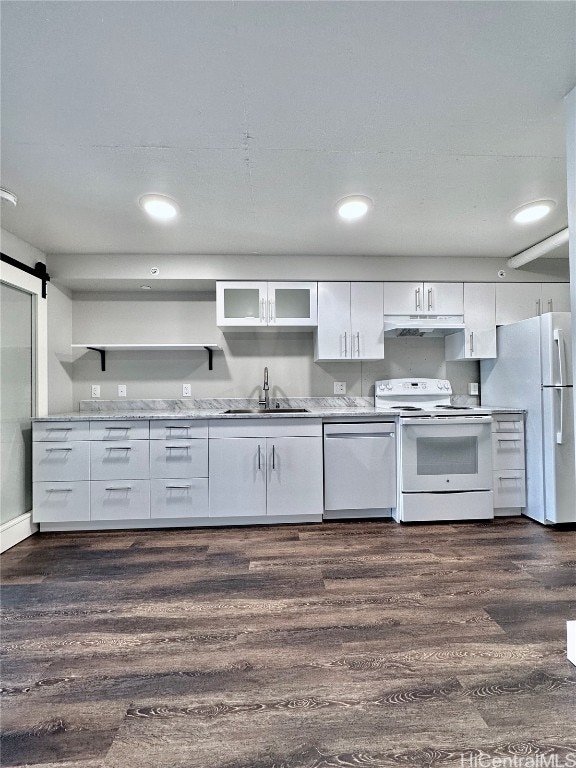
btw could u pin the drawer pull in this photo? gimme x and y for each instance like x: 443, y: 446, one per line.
x: 59, y: 490
x: 58, y: 429
x: 508, y: 439
x: 124, y: 429
x: 177, y: 447
x: 510, y: 477
x: 178, y: 427
x: 177, y: 487
x: 59, y: 449
x: 119, y: 448
x: 119, y: 488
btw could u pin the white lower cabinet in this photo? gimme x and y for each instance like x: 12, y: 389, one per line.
x: 187, y: 497
x: 61, y: 501
x: 238, y: 477
x: 508, y: 462
x: 261, y: 468
x: 119, y: 500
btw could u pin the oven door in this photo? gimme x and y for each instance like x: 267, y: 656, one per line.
x: 444, y: 454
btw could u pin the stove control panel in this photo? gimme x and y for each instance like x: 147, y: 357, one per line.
x: 412, y: 387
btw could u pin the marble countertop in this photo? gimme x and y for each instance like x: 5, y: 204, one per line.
x: 317, y: 407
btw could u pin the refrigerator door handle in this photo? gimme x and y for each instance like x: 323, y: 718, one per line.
x: 559, y: 339
x: 560, y: 432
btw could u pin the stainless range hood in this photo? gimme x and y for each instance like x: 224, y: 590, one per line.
x: 431, y: 326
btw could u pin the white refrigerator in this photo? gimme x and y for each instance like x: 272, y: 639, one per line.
x: 534, y: 371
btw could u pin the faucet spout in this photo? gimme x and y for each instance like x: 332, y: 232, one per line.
x: 265, y: 399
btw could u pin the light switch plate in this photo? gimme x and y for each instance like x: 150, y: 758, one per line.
x: 95, y: 389
x: 339, y: 387
x: 186, y: 390
x: 121, y: 390
x: 473, y: 388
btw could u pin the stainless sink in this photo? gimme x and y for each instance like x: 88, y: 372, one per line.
x: 267, y: 410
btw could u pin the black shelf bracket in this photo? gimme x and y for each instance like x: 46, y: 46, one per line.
x: 102, y: 357
x: 210, y: 351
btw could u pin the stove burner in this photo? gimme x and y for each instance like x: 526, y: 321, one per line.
x: 405, y: 408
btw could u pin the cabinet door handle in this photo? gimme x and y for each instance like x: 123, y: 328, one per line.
x: 115, y: 429
x: 58, y: 429
x: 429, y: 299
x: 59, y: 449
x: 358, y: 343
x: 508, y: 439
x: 509, y: 477
x: 273, y: 457
x: 119, y: 488
x: 417, y: 298
x: 550, y: 306
x: 177, y: 487
x: 259, y: 457
x: 262, y: 311
x: 271, y: 317
x: 345, y: 344
x: 59, y: 490
x: 179, y: 427
x: 471, y: 342
x: 119, y: 448
x: 177, y: 447
x: 538, y: 307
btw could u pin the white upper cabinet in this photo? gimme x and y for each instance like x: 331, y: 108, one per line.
x: 519, y: 301
x: 350, y: 321
x: 266, y: 305
x: 423, y: 298
x: 478, y: 340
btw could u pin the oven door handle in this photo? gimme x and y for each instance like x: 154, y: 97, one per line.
x: 423, y: 421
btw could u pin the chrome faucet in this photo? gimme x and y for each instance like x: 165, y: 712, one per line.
x: 265, y: 399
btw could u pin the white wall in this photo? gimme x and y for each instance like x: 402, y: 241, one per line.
x: 60, y: 391
x: 19, y: 249
x: 571, y: 180
x: 238, y: 370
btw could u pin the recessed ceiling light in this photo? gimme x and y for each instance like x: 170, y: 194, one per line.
x: 146, y: 287
x: 5, y: 194
x: 533, y: 211
x: 159, y: 207
x: 353, y: 207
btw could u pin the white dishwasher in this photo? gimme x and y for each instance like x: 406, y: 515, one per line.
x: 359, y: 469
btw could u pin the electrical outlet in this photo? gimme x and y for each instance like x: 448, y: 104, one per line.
x: 95, y: 390
x: 186, y: 390
x: 473, y: 388
x: 339, y: 387
x: 121, y: 390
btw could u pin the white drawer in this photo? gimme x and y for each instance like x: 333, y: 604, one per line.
x: 179, y: 458
x: 507, y: 422
x: 61, y: 462
x: 60, y: 431
x: 177, y: 429
x: 187, y: 497
x: 509, y: 488
x: 508, y: 450
x: 120, y: 500
x: 266, y: 426
x: 119, y: 430
x: 56, y: 502
x: 119, y: 459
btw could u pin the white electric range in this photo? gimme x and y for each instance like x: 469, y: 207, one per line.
x: 444, y: 451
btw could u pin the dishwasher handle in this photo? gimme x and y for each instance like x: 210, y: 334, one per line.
x: 358, y: 435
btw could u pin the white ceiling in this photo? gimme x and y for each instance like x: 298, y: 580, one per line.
x: 258, y: 116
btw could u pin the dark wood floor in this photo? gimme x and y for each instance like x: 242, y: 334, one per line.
x: 342, y: 644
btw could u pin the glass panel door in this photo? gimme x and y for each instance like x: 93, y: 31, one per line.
x: 17, y: 400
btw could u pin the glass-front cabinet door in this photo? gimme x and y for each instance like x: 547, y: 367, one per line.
x: 292, y: 304
x: 244, y: 304
x: 241, y: 303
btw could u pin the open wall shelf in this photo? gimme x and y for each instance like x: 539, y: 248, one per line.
x: 103, y: 348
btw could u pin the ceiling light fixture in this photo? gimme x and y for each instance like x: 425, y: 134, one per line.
x: 533, y: 211
x: 5, y: 194
x: 159, y: 207
x: 353, y: 207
